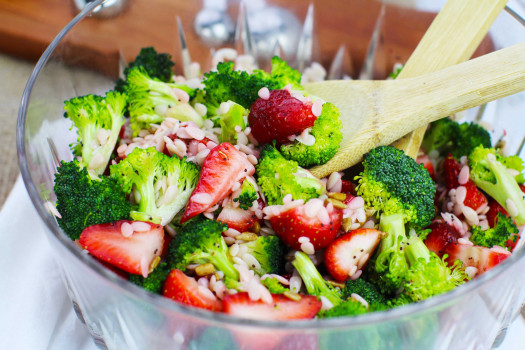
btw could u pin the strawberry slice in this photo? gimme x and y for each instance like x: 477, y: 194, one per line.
x: 319, y: 227
x: 223, y: 167
x: 186, y: 290
x: 348, y: 187
x: 281, y: 308
x: 481, y: 258
x: 474, y: 198
x: 237, y: 218
x: 425, y: 160
x: 441, y: 235
x: 279, y: 116
x: 133, y: 254
x: 451, y: 168
x: 350, y: 252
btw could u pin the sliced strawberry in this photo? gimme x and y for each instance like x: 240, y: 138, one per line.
x: 481, y: 258
x: 425, y: 160
x: 474, y: 198
x: 348, y: 187
x: 167, y: 241
x: 350, y: 252
x: 494, y: 209
x: 223, y: 167
x: 186, y: 290
x: 133, y: 254
x: 237, y: 218
x: 321, y: 228
x: 279, y: 116
x: 441, y: 235
x: 281, y: 308
x: 451, y: 168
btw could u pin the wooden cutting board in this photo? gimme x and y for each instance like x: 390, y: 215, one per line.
x: 28, y: 26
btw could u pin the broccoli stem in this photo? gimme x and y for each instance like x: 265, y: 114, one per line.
x: 416, y: 250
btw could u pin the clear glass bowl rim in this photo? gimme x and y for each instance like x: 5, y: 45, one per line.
x: 163, y: 303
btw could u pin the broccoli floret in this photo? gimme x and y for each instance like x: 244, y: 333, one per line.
x: 347, y: 308
x: 269, y: 252
x: 448, y: 136
x: 83, y: 201
x: 278, y: 177
x: 162, y: 185
x: 155, y: 280
x: 489, y: 172
x: 365, y: 289
x: 393, y: 182
x: 274, y: 286
x: 150, y: 101
x: 247, y: 196
x: 200, y: 241
x: 328, y: 135
x: 96, y: 118
x: 428, y: 274
x: 503, y: 230
x: 315, y: 284
x: 235, y: 116
x: 389, y: 264
x: 157, y: 65
x: 283, y: 74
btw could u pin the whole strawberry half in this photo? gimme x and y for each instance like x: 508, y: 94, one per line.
x: 281, y: 308
x: 224, y: 166
x: 186, y: 290
x: 320, y: 228
x: 481, y: 258
x: 133, y: 254
x: 440, y: 236
x: 350, y: 252
x: 279, y: 116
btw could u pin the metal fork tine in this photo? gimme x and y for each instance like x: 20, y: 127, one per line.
x: 521, y: 148
x: 367, y: 71
x: 185, y: 53
x: 243, y: 37
x: 341, y: 64
x: 122, y: 64
x: 306, y: 41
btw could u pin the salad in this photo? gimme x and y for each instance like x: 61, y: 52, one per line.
x: 198, y: 188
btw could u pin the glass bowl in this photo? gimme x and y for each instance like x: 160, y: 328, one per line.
x: 120, y: 315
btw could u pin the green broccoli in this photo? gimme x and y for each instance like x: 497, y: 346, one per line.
x: 328, y: 135
x: 503, y: 230
x: 347, y: 308
x: 448, y: 136
x: 274, y: 286
x: 488, y: 170
x: 365, y: 289
x: 155, y: 280
x: 389, y: 266
x: 162, y: 185
x: 428, y: 274
x: 278, y: 177
x: 98, y: 121
x: 235, y: 116
x: 150, y: 101
x: 200, y: 241
x: 83, y: 201
x: 247, y: 196
x: 269, y: 252
x: 393, y: 182
x: 315, y: 284
x: 157, y: 65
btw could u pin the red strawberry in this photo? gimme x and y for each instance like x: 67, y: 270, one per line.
x: 321, y: 229
x: 281, y: 308
x: 279, y: 116
x: 425, y: 160
x: 481, y: 258
x: 237, y: 218
x: 348, y: 187
x: 186, y: 290
x: 452, y: 168
x: 133, y: 254
x: 441, y: 235
x: 474, y: 198
x: 350, y: 252
x: 223, y: 167
x: 494, y: 209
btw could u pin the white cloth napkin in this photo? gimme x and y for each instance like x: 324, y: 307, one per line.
x: 35, y: 311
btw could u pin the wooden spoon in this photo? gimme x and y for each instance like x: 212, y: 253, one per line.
x: 377, y: 113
